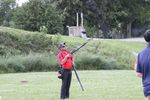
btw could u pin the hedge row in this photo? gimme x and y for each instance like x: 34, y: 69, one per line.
x: 47, y: 62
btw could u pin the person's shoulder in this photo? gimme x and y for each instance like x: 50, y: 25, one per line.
x: 145, y: 50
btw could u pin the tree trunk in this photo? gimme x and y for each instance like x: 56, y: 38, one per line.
x: 123, y: 30
x: 129, y: 27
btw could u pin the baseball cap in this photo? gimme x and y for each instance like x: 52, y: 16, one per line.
x: 61, y: 45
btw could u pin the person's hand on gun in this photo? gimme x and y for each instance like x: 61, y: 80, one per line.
x: 67, y: 56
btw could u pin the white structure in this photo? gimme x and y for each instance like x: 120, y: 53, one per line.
x: 0, y: 98
x: 78, y: 29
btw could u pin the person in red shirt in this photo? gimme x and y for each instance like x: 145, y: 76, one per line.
x: 66, y: 62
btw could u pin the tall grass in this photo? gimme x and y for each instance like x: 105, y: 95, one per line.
x: 28, y: 63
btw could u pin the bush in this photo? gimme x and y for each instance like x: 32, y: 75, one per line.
x: 3, y: 67
x: 24, y: 44
x: 94, y: 62
x: 28, y: 63
x: 34, y: 43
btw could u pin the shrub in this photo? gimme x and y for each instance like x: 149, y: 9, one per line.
x: 24, y: 44
x: 28, y: 63
x: 94, y: 62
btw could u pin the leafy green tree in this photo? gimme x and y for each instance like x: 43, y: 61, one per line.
x: 6, y: 11
x: 97, y: 13
x: 38, y: 13
x: 133, y: 11
x: 106, y: 15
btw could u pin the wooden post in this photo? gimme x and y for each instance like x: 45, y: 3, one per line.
x: 77, y: 20
x: 81, y: 19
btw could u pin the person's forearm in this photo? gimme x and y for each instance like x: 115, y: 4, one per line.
x: 63, y: 61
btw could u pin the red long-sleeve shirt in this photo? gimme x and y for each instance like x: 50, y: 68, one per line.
x: 69, y: 63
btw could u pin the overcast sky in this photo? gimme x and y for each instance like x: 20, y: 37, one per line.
x: 21, y: 1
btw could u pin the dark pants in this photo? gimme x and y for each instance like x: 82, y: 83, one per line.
x: 66, y: 81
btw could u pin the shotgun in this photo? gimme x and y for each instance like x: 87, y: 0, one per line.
x: 75, y: 50
x: 72, y: 52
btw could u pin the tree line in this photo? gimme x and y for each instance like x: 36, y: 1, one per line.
x: 102, y: 18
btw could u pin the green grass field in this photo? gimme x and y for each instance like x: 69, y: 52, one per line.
x: 99, y: 85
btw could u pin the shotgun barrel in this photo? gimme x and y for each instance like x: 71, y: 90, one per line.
x: 72, y: 52
x: 75, y: 50
x: 78, y: 78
